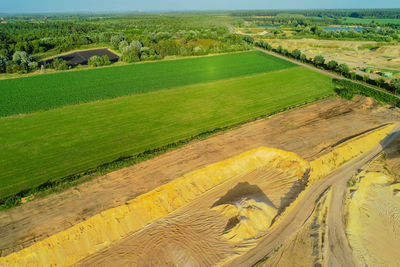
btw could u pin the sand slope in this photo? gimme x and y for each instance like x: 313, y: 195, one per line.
x: 373, y: 227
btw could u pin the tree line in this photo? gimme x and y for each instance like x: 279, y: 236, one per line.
x: 137, y: 37
x: 330, y: 13
x: 342, y: 69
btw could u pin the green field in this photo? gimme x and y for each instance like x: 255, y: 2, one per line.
x: 44, y: 92
x: 361, y: 21
x: 46, y: 146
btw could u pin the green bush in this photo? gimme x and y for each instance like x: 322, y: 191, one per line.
x: 347, y: 89
x: 96, y: 61
x: 59, y: 64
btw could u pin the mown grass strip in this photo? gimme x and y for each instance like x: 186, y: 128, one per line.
x: 44, y: 92
x: 44, y: 147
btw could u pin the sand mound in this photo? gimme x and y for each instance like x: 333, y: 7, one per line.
x: 249, y: 210
x: 373, y: 226
x: 99, y: 231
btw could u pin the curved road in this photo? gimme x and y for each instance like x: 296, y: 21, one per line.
x: 339, y: 253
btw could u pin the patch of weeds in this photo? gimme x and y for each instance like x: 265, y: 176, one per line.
x: 263, y: 260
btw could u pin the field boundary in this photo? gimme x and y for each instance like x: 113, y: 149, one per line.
x: 333, y: 75
x: 122, y: 162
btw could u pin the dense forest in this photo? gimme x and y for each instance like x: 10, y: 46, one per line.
x: 26, y: 40
x: 330, y: 13
x: 136, y: 37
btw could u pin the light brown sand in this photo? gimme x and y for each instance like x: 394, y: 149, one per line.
x: 309, y: 132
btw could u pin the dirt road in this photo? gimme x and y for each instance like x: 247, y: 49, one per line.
x: 333, y: 120
x: 339, y: 250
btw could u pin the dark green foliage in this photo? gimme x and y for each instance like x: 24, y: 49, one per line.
x: 332, y: 65
x: 97, y: 61
x: 324, y: 13
x: 296, y: 53
x: 49, y: 91
x: 347, y: 89
x: 162, y: 35
x: 59, y: 64
x: 395, y: 84
x: 343, y: 68
x: 319, y: 60
x: 11, y: 202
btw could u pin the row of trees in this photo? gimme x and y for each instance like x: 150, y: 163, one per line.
x: 343, y: 69
x: 137, y: 37
x: 325, y: 13
x: 347, y: 89
x: 139, y: 50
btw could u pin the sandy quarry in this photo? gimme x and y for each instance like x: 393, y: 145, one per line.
x: 349, y: 52
x: 218, y: 218
x: 373, y: 210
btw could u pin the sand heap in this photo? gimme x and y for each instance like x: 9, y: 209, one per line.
x: 246, y: 190
x: 373, y: 227
x: 99, y: 231
x: 249, y: 210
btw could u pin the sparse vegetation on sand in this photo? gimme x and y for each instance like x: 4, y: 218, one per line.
x: 47, y: 146
x: 44, y: 92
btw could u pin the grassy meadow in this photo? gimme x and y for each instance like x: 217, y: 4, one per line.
x: 46, y: 146
x: 48, y: 91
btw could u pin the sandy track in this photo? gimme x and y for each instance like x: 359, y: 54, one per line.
x: 191, y: 236
x: 339, y: 252
x: 307, y: 132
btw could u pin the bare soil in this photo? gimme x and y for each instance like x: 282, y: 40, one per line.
x: 309, y: 132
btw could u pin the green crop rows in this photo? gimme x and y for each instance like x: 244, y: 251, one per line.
x: 46, y: 146
x: 44, y: 92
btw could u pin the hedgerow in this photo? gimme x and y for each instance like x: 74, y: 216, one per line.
x: 348, y: 89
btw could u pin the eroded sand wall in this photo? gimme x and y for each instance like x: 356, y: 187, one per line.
x: 70, y: 246
x: 327, y: 163
x: 373, y: 227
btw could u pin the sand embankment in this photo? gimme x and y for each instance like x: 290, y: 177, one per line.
x: 99, y: 231
x: 373, y: 226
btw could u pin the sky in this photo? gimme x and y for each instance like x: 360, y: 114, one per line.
x: 49, y: 6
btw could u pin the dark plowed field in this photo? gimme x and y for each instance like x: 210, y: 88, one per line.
x: 82, y: 57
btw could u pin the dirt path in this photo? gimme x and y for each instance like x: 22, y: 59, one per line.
x: 295, y: 131
x: 333, y: 75
x: 194, y: 232
x: 339, y: 250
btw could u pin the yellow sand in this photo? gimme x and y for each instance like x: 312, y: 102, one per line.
x: 81, y: 240
x: 306, y: 247
x: 254, y: 218
x: 324, y: 165
x: 373, y: 226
